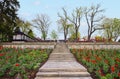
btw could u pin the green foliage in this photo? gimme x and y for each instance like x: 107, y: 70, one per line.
x: 105, y: 68
x: 24, y: 26
x: 103, y: 78
x: 44, y: 35
x: 54, y: 35
x: 109, y: 76
x: 111, y: 28
x: 73, y: 36
x: 104, y: 63
x: 116, y: 23
x: 23, y: 61
x: 30, y: 33
x: 64, y: 23
x: 8, y: 16
x: 2, y: 72
x: 99, y: 39
x: 75, y: 19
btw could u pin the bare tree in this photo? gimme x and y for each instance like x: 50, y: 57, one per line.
x: 92, y: 18
x: 76, y: 19
x: 42, y: 23
x: 63, y: 21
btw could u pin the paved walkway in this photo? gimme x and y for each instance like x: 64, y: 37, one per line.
x: 62, y: 65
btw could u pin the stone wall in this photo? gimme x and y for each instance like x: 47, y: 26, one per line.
x: 94, y: 45
x: 41, y: 45
x: 51, y: 45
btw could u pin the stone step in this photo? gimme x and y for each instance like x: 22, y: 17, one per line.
x: 60, y: 55
x: 61, y: 58
x: 62, y: 65
x: 61, y: 70
x: 63, y: 74
x: 71, y: 60
x: 63, y: 78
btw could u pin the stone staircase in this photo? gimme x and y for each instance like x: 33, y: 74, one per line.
x: 62, y: 65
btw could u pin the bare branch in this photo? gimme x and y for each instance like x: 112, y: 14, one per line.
x: 90, y: 15
x: 99, y: 19
x: 64, y: 21
x: 42, y: 23
x: 76, y: 19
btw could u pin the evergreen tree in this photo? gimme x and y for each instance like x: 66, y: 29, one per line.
x: 8, y: 16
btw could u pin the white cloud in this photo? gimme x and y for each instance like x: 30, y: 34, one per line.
x: 37, y: 2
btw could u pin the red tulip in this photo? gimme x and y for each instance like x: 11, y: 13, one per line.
x: 1, y: 47
x: 102, y: 74
x: 116, y: 65
x: 98, y: 58
x: 119, y: 74
x: 117, y: 59
x: 106, y: 61
x: 17, y: 64
x: 93, y: 61
x: 1, y: 54
x: 112, y: 68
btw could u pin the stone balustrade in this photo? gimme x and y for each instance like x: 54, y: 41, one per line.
x: 51, y: 45
x: 94, y: 45
x: 42, y: 45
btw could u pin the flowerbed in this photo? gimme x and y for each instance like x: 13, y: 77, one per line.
x: 102, y: 64
x: 18, y: 63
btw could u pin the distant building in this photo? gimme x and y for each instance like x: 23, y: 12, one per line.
x: 118, y: 39
x: 21, y: 37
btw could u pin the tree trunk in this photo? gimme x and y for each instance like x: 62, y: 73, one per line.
x: 115, y: 38
x: 88, y: 32
x: 89, y: 36
x: 76, y: 35
x: 65, y: 36
x: 9, y: 38
x: 44, y: 38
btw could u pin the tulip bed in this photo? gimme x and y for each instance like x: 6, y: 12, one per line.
x: 102, y: 64
x: 18, y: 63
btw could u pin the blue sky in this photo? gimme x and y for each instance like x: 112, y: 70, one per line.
x: 30, y: 8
